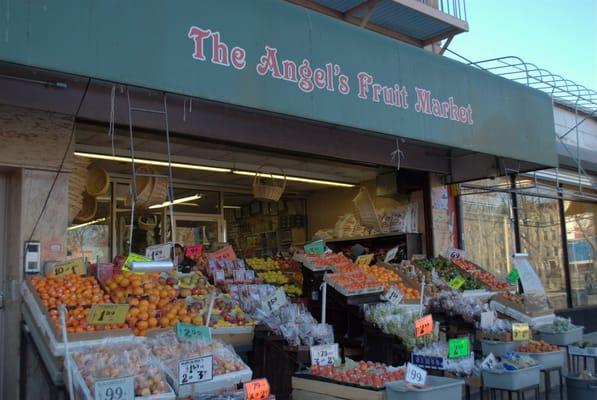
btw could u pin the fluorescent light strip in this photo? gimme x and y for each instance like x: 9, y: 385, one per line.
x: 176, y: 201
x: 95, y: 221
x: 233, y: 207
x: 151, y: 162
x: 295, y: 179
x: 210, y: 169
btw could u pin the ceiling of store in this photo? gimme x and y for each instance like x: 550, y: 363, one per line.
x: 95, y: 139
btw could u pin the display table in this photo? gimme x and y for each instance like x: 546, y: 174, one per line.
x: 307, y: 387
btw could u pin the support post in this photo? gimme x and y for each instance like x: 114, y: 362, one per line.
x: 565, y: 259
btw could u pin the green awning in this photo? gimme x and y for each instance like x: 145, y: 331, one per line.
x: 275, y: 56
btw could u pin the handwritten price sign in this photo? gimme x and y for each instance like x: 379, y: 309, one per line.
x: 455, y: 254
x: 76, y: 267
x: 195, y: 370
x: 391, y: 254
x: 192, y: 332
x: 102, y: 314
x: 275, y: 300
x: 458, y: 348
x: 325, y: 354
x: 257, y: 389
x: 226, y: 253
x: 316, y: 247
x: 194, y: 251
x: 364, y: 259
x: 115, y: 389
x: 424, y: 326
x: 159, y: 252
x: 394, y: 295
x: 415, y: 375
x: 520, y: 332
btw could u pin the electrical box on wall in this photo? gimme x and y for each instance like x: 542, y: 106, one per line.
x: 32, y: 259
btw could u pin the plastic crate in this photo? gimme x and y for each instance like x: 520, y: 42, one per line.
x: 580, y: 389
x: 499, y: 348
x: 561, y: 339
x: 551, y: 359
x: 511, y: 380
x: 436, y: 387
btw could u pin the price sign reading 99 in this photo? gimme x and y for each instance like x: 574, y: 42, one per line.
x: 195, y: 370
x: 415, y: 375
x: 115, y: 389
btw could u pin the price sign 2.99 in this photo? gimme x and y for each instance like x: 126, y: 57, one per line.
x: 195, y: 370
x: 115, y: 389
x: 424, y: 326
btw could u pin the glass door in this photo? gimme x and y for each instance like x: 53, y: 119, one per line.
x: 199, y: 229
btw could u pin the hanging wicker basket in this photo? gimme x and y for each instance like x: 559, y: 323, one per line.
x: 147, y: 222
x: 144, y: 185
x: 89, y: 208
x: 265, y: 188
x: 98, y: 181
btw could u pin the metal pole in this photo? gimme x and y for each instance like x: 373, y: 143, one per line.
x: 516, y: 223
x: 566, y: 261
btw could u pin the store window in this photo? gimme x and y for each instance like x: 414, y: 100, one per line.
x: 91, y: 238
x: 581, y: 234
x: 488, y: 229
x: 539, y: 217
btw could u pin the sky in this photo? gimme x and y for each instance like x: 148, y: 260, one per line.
x: 557, y: 35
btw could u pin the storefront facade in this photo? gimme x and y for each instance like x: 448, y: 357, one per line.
x: 270, y: 77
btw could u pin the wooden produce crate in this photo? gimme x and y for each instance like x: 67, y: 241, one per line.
x: 305, y: 387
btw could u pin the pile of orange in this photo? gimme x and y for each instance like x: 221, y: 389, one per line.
x: 173, y: 313
x: 389, y: 278
x: 70, y: 290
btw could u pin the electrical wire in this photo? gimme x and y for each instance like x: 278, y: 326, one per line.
x: 70, y: 141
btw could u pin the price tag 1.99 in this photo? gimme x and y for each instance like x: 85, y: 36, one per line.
x: 275, y: 300
x: 520, y: 332
x: 115, y: 389
x: 364, y: 259
x: 257, y: 389
x: 325, y: 354
x: 75, y: 267
x: 458, y: 348
x: 415, y: 375
x: 102, y: 314
x: 424, y: 325
x: 394, y: 295
x: 192, y: 332
x: 195, y: 370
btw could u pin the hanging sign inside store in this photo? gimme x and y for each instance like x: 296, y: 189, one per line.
x: 325, y: 354
x: 394, y: 295
x: 115, y: 389
x: 365, y: 259
x: 192, y: 332
x: 457, y: 282
x: 424, y: 326
x: 391, y: 254
x: 195, y: 250
x: 489, y: 361
x: 415, y: 375
x: 275, y: 300
x: 75, y: 267
x: 455, y: 254
x: 520, y: 331
x: 458, y: 348
x: 513, y: 276
x: 102, y: 314
x: 257, y: 389
x: 159, y: 252
x: 226, y: 253
x: 316, y: 247
x: 195, y: 370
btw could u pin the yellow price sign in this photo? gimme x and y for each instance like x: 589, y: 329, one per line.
x: 75, y: 266
x: 102, y: 314
x: 520, y: 332
x: 365, y: 259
